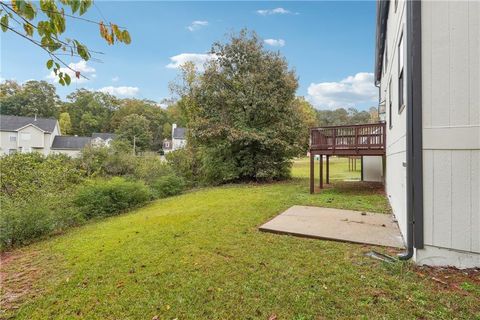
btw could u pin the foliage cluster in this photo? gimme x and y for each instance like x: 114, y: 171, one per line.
x: 45, y: 195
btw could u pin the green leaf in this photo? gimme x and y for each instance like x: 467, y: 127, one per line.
x: 4, y: 22
x: 61, y: 81
x: 75, y: 5
x: 67, y: 79
x: 126, y: 37
x: 28, y: 29
x: 50, y: 64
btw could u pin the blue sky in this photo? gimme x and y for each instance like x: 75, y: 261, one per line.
x: 329, y: 44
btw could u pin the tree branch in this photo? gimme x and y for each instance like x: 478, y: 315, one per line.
x: 53, y: 55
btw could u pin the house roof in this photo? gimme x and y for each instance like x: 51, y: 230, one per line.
x: 70, y: 142
x: 382, y: 15
x: 13, y: 123
x: 179, y: 133
x: 104, y: 135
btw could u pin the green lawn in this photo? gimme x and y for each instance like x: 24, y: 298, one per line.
x: 200, y: 256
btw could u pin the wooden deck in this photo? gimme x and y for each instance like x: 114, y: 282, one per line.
x: 354, y: 140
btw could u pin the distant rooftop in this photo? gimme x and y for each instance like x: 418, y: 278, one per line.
x: 13, y: 123
x: 70, y: 142
x: 179, y: 133
x: 104, y: 135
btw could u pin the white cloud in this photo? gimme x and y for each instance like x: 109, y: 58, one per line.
x: 120, y: 91
x: 198, y: 59
x: 275, y: 42
x: 197, y: 24
x: 115, y: 79
x: 348, y: 92
x: 81, y: 67
x: 267, y: 12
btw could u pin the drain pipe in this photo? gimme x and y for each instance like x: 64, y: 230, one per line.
x: 414, y: 127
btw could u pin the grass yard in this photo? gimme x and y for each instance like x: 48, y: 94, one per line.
x: 200, y: 256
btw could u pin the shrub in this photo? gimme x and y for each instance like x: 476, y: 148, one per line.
x: 150, y: 167
x: 109, y: 197
x: 168, y: 185
x: 25, y: 175
x: 21, y: 222
x: 185, y: 163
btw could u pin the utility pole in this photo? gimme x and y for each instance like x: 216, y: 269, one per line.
x: 134, y: 142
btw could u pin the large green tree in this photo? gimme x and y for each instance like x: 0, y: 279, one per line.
x: 156, y: 116
x: 28, y: 99
x: 135, y: 129
x: 240, y: 112
x: 90, y: 111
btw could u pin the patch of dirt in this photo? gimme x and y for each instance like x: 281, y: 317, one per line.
x: 19, y: 271
x: 450, y: 278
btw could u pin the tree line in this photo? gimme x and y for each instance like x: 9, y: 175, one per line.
x: 85, y: 112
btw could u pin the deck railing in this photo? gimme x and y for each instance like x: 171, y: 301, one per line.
x: 354, y: 139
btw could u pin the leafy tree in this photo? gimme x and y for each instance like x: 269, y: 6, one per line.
x: 90, y: 111
x: 374, y: 116
x: 65, y: 123
x: 308, y: 118
x: 167, y: 131
x: 156, y: 116
x: 33, y: 97
x: 135, y: 129
x: 44, y: 24
x: 240, y: 112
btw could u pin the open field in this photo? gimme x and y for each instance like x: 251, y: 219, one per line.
x: 200, y: 256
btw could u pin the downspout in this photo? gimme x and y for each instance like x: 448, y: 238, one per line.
x: 414, y: 133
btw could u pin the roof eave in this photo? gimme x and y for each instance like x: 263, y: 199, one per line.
x: 381, y: 33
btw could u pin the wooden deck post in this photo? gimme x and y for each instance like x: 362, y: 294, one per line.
x: 321, y: 171
x: 328, y: 170
x: 312, y: 173
x: 361, y: 168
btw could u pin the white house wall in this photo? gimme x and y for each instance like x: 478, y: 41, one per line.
x: 395, y: 176
x: 451, y: 130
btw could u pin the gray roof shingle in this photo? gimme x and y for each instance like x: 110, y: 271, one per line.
x: 70, y: 142
x: 13, y: 123
x: 179, y: 133
x: 103, y: 135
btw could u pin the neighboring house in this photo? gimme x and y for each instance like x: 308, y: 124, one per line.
x: 102, y: 139
x: 428, y: 71
x: 27, y: 134
x: 32, y: 134
x: 179, y: 139
x: 70, y: 145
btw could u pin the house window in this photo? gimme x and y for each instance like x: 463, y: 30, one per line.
x: 390, y: 123
x: 13, y: 138
x: 401, y: 77
x: 26, y: 136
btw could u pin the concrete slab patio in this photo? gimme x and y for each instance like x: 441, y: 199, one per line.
x: 335, y: 224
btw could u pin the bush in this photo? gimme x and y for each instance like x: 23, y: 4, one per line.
x: 150, y: 167
x: 22, y: 222
x: 185, y: 163
x: 168, y: 185
x: 26, y: 175
x: 109, y: 197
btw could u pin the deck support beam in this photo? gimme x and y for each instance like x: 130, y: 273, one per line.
x: 321, y: 171
x: 328, y: 170
x: 312, y: 173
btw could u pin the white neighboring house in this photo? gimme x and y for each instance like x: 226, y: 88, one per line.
x: 102, y: 139
x: 179, y: 139
x: 32, y: 134
x: 428, y: 72
x: 27, y: 134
